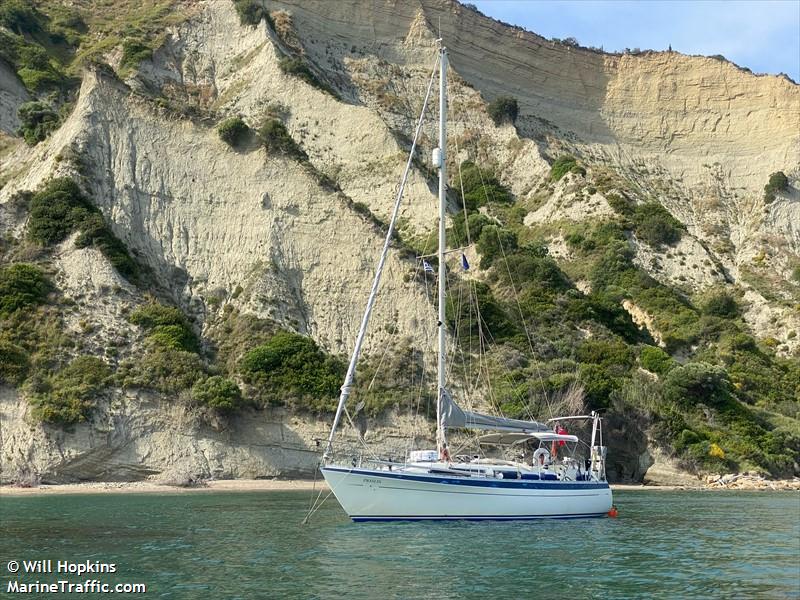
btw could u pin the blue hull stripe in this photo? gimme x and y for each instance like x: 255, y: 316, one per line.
x: 519, y: 484
x: 479, y: 518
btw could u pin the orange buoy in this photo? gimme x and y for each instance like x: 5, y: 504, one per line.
x: 613, y: 512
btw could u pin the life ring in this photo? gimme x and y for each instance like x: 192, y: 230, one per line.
x: 541, y: 457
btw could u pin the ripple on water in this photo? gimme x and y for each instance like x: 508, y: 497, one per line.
x: 251, y: 545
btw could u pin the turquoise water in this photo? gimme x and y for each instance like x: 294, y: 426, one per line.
x: 252, y: 545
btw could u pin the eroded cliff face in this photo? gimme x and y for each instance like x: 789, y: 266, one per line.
x: 12, y: 94
x: 265, y: 235
x: 698, y: 134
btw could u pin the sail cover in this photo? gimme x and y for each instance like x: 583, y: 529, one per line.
x: 454, y: 417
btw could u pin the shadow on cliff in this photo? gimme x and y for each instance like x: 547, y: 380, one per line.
x: 560, y: 89
x: 625, y: 434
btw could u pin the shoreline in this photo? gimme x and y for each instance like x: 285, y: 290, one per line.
x: 153, y: 487
x: 278, y: 485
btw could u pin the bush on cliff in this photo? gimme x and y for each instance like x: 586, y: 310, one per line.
x: 564, y: 164
x: 167, y: 327
x: 163, y: 370
x: 68, y: 396
x: 14, y: 363
x: 721, y: 304
x: 233, y: 131
x: 480, y: 187
x: 778, y: 182
x: 655, y: 360
x: 291, y: 369
x: 656, y: 225
x: 59, y: 208
x: 251, y: 12
x: 219, y: 393
x: 22, y: 286
x: 37, y: 121
x: 296, y: 67
x: 276, y: 140
x: 134, y: 52
x: 504, y: 109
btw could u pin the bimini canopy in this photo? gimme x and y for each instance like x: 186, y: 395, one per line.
x: 454, y: 417
x: 508, y: 439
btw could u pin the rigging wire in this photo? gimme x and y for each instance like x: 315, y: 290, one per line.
x: 515, y: 294
x: 345, y: 391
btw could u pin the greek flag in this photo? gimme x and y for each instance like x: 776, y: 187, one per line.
x: 464, y: 262
x: 427, y: 266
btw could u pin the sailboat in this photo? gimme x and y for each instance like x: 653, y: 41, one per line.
x: 552, y: 479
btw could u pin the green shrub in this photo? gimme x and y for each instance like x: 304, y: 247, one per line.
x: 34, y: 66
x: 292, y: 364
x: 251, y: 12
x: 722, y: 305
x: 614, y: 355
x: 695, y: 383
x: 95, y: 233
x: 167, y: 371
x: 218, y: 393
x: 31, y: 48
x: 495, y: 242
x: 480, y: 187
x: 530, y: 267
x: 173, y: 337
x: 504, y: 109
x: 621, y: 205
x: 20, y: 17
x: 778, y: 182
x: 605, y: 310
x: 149, y: 316
x: 39, y: 79
x: 166, y: 326
x: 391, y: 380
x: 22, y: 286
x: 758, y: 376
x: 296, y: 67
x: 686, y: 438
x: 233, y: 131
x: 598, y: 384
x: 276, y: 139
x: 236, y: 332
x: 465, y: 301
x: 564, y: 164
x: 613, y: 267
x: 37, y: 121
x: 60, y: 207
x: 655, y: 225
x: 655, y: 360
x: 14, y: 363
x: 134, y: 52
x: 69, y: 395
x: 475, y: 221
x: 56, y: 210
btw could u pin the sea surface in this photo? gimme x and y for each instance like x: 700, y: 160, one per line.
x: 201, y: 545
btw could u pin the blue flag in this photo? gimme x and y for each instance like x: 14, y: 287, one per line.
x: 427, y: 266
x: 464, y: 262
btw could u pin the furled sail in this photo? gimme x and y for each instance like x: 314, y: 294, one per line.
x: 454, y: 417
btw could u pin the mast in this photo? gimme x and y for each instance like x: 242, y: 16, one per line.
x: 441, y: 437
x: 362, y: 330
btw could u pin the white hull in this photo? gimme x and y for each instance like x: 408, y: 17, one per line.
x: 378, y: 495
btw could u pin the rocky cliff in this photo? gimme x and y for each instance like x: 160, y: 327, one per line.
x: 223, y: 231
